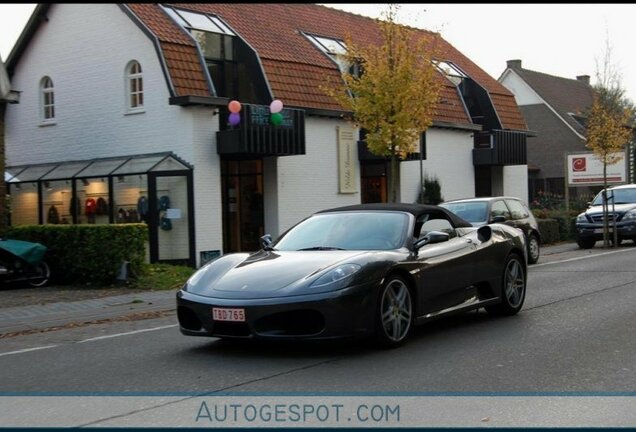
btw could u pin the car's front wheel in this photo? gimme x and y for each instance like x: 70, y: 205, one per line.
x: 533, y: 249
x: 513, y: 289
x: 395, y: 312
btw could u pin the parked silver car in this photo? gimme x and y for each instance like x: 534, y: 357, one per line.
x: 502, y: 209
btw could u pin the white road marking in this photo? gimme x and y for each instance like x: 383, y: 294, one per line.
x: 127, y: 333
x: 27, y: 350
x: 580, y: 258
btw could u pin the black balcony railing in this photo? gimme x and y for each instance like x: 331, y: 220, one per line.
x: 500, y: 147
x: 256, y: 136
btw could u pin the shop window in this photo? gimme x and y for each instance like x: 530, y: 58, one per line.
x: 92, y: 205
x: 130, y: 198
x: 56, y: 202
x: 47, y: 100
x: 24, y: 203
x: 134, y: 87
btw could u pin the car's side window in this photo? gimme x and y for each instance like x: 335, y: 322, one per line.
x: 517, y: 209
x: 499, y: 208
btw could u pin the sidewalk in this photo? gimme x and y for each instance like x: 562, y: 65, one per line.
x: 17, y: 319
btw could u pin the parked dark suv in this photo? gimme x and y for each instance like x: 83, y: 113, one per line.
x: 508, y: 210
x: 589, y: 224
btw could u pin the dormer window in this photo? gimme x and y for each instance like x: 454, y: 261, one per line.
x: 334, y: 49
x: 451, y: 71
x: 217, y: 44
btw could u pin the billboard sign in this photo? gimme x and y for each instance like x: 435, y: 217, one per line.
x: 585, y: 169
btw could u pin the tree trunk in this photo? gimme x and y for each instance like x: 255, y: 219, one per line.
x: 605, y: 207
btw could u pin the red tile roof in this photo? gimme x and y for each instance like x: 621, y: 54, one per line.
x: 293, y: 66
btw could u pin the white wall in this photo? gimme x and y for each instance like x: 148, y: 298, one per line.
x: 524, y: 95
x: 208, y: 212
x: 450, y: 158
x: 515, y: 181
x: 309, y: 183
x: 84, y: 49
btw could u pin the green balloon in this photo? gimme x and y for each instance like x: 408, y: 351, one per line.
x: 277, y: 119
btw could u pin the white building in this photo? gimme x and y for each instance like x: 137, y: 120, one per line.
x: 127, y: 105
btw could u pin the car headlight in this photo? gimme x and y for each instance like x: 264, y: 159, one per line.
x: 630, y: 215
x: 581, y: 218
x: 335, y: 275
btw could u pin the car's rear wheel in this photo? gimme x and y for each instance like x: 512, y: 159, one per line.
x: 533, y: 249
x: 395, y: 312
x: 513, y: 289
x: 586, y: 243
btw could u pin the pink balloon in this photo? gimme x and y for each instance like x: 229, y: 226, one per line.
x: 234, y: 106
x: 235, y: 118
x: 276, y: 106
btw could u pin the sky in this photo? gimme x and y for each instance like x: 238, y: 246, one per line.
x: 558, y: 39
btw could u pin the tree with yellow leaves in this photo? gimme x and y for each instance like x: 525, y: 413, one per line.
x: 609, y: 124
x: 395, y: 96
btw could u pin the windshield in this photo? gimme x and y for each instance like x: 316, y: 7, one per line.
x: 476, y: 211
x: 621, y: 196
x: 347, y: 230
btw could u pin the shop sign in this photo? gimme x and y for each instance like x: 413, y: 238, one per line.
x: 585, y: 169
x: 260, y: 115
x: 347, y: 151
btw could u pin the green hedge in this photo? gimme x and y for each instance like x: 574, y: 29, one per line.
x: 549, y: 229
x: 87, y: 253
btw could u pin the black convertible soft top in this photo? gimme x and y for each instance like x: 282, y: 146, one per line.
x: 415, y: 209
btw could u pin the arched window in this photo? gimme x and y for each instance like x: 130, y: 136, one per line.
x: 48, y: 99
x: 135, y: 86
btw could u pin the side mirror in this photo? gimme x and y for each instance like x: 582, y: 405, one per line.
x: 498, y: 219
x: 430, y: 238
x: 266, y: 242
x: 484, y: 233
x: 589, y: 204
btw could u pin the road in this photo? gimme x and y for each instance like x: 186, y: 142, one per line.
x: 576, y: 333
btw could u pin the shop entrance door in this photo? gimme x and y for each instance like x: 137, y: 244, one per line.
x: 242, y: 190
x: 170, y: 217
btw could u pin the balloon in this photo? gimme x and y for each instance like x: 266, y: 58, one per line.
x: 234, y: 106
x: 277, y: 119
x: 276, y: 106
x: 235, y: 118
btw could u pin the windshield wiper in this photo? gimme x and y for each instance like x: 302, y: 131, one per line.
x: 320, y: 248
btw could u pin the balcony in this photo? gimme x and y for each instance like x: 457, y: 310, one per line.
x: 500, y: 147
x: 256, y: 137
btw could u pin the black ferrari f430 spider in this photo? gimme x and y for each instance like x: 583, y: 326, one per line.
x: 364, y: 270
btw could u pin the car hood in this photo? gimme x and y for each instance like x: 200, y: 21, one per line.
x: 618, y: 208
x: 265, y: 274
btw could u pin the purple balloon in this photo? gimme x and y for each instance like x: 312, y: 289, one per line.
x: 235, y: 118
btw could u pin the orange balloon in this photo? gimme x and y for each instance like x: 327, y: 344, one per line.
x: 234, y: 106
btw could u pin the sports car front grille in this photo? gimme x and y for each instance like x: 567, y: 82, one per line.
x: 291, y: 323
x: 232, y: 329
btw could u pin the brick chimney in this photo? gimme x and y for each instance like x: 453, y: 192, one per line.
x: 514, y: 64
x: 584, y: 78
